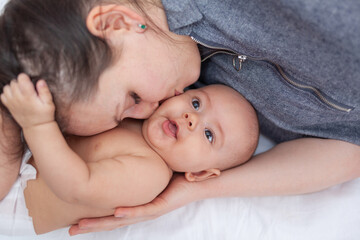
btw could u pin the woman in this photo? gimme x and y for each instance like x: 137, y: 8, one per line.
x: 98, y: 74
x: 297, y: 63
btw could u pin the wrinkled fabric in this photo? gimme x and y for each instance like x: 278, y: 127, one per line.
x: 14, y: 216
x: 315, y: 42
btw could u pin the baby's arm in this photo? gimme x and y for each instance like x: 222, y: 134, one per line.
x: 68, y: 176
x: 34, y: 112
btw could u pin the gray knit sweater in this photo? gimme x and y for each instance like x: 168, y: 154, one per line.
x: 300, y: 60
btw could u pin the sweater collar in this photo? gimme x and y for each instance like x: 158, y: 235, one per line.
x: 182, y: 14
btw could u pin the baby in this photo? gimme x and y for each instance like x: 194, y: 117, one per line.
x: 200, y: 132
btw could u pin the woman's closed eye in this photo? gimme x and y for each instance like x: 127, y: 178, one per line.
x: 195, y: 103
x: 209, y: 135
x: 136, y: 97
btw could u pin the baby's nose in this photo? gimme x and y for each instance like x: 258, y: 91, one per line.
x: 191, y: 120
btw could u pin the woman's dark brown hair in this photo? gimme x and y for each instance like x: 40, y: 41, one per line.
x: 48, y: 39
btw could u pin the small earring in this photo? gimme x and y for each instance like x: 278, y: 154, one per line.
x: 142, y: 26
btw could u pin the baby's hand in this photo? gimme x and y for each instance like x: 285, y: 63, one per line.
x: 28, y: 107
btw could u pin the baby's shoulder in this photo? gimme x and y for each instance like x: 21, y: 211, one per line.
x: 115, y: 142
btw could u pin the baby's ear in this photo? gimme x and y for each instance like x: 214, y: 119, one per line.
x: 203, y: 175
x: 103, y: 20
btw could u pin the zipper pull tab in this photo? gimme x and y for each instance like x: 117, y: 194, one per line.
x: 242, y: 59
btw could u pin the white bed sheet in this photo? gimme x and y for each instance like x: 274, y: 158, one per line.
x: 332, y: 214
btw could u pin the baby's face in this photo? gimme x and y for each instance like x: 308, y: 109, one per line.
x: 200, y: 129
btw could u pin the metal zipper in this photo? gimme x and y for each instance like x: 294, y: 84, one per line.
x: 313, y: 89
x: 243, y: 58
x: 219, y: 50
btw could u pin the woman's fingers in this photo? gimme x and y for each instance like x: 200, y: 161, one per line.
x: 177, y: 194
x: 143, y: 212
x: 125, y: 216
x: 95, y: 225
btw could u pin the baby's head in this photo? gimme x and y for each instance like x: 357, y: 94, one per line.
x: 203, y: 131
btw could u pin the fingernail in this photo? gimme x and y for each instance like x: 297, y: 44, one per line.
x: 41, y: 83
x: 83, y: 227
x: 120, y: 215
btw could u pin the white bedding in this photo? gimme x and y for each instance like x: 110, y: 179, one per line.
x: 332, y: 214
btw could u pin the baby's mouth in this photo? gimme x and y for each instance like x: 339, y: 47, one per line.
x: 173, y: 128
x: 170, y: 128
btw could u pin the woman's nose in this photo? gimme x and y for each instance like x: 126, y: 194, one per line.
x: 154, y: 106
x: 191, y: 120
x: 142, y: 110
x: 149, y: 108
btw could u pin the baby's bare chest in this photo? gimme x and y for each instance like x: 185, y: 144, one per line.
x: 116, y: 142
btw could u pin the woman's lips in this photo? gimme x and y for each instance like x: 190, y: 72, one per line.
x: 176, y: 93
x: 170, y: 128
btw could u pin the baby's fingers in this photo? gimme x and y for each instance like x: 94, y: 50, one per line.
x: 43, y: 91
x: 6, y: 95
x: 16, y: 93
x: 25, y: 85
x: 3, y: 99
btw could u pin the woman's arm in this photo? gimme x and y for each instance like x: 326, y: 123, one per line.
x: 294, y: 167
x: 67, y: 175
x: 10, y: 154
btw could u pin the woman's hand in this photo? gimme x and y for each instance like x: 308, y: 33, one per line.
x: 178, y: 193
x: 28, y: 107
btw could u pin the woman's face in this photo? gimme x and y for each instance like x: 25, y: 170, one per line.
x: 149, y: 69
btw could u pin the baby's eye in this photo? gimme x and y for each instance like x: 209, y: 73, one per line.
x: 209, y: 135
x: 196, y: 104
x: 136, y: 97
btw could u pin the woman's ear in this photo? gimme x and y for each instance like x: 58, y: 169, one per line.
x: 102, y: 20
x: 203, y: 175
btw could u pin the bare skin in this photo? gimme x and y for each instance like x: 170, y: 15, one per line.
x: 9, y: 162
x: 266, y: 174
x: 43, y: 204
x: 77, y: 175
